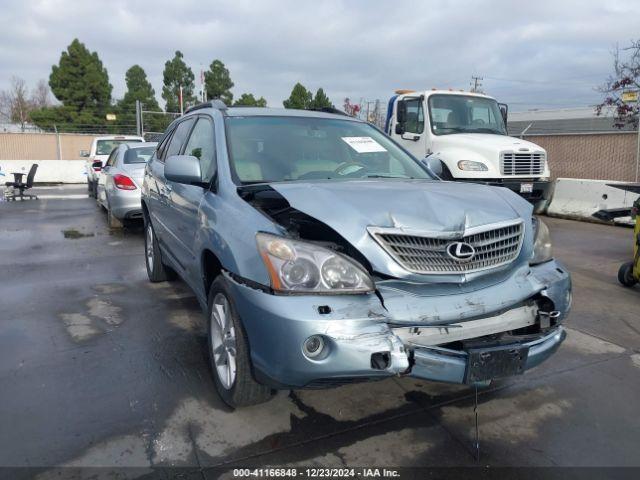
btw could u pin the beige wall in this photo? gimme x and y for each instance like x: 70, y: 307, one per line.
x: 610, y: 156
x: 607, y: 156
x: 43, y: 146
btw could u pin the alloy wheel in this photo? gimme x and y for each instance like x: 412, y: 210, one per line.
x: 223, y: 341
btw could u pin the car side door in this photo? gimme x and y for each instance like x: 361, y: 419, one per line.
x: 164, y: 215
x: 186, y: 199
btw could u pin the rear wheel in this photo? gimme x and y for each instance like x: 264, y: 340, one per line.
x: 625, y: 275
x: 229, y: 351
x: 156, y: 270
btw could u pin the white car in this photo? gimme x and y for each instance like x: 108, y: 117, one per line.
x: 101, y: 147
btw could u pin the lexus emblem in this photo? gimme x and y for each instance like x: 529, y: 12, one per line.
x: 461, y: 251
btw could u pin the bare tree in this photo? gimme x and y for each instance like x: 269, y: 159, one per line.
x: 14, y: 102
x: 17, y: 103
x: 626, y: 77
x: 40, y: 96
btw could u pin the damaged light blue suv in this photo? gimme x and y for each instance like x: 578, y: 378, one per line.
x: 325, y: 254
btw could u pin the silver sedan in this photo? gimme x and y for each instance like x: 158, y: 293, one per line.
x: 120, y: 181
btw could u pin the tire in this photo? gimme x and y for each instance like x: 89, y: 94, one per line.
x: 625, y: 275
x: 226, y: 338
x: 446, y: 173
x: 156, y: 270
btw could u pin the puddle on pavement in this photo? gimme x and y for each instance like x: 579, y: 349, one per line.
x: 74, y: 234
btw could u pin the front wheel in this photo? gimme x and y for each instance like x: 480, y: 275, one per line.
x: 229, y: 351
x: 625, y: 275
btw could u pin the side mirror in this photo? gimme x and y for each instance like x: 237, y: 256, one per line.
x: 84, y: 153
x: 183, y: 169
x: 504, y: 110
x: 401, y: 112
x: 399, y: 128
x: 434, y: 165
x: 97, y: 165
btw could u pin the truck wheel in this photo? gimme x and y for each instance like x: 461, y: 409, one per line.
x: 446, y: 173
x: 156, y: 270
x: 229, y: 351
x: 625, y: 275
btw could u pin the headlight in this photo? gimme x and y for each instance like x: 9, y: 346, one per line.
x: 297, y: 266
x: 472, y: 166
x: 542, y: 242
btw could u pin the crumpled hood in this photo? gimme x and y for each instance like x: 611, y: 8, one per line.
x: 349, y: 207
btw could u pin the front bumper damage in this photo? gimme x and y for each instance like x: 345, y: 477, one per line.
x: 367, y: 340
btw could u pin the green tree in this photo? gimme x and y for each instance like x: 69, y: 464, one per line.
x: 81, y: 83
x: 321, y: 100
x: 217, y: 82
x: 139, y: 88
x: 248, y: 100
x: 177, y: 74
x: 300, y: 98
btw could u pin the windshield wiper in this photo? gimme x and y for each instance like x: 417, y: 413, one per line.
x: 382, y: 175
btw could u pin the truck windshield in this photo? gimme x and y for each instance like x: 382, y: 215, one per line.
x: 105, y: 147
x: 464, y: 114
x: 286, y: 148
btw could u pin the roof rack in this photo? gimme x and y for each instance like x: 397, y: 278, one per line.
x: 217, y: 104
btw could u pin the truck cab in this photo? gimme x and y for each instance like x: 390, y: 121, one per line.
x: 467, y: 132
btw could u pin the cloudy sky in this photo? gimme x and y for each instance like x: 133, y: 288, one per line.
x: 541, y: 54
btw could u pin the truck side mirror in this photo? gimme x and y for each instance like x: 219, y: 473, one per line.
x: 399, y: 128
x: 401, y: 112
x: 504, y: 110
x: 84, y: 153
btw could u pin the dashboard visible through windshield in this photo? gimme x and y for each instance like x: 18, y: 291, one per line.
x: 465, y: 114
x: 277, y: 149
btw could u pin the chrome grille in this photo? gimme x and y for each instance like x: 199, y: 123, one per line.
x: 427, y: 254
x: 520, y: 163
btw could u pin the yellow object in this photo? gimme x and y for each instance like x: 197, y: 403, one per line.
x: 630, y: 96
x: 403, y: 91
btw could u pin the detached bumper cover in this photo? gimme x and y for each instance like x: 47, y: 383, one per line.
x: 358, y: 329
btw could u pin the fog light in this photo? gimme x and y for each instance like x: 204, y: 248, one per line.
x: 313, y: 346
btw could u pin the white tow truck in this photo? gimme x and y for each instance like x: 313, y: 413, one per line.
x: 467, y: 132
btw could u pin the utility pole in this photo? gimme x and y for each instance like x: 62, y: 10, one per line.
x: 180, y: 100
x: 476, y: 84
x: 138, y: 118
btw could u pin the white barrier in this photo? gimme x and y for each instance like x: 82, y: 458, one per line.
x: 49, y: 171
x: 581, y: 198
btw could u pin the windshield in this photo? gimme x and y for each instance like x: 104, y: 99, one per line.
x: 138, y: 154
x: 276, y: 149
x: 464, y: 114
x: 105, y: 147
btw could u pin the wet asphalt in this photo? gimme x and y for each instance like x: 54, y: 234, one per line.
x: 99, y: 367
